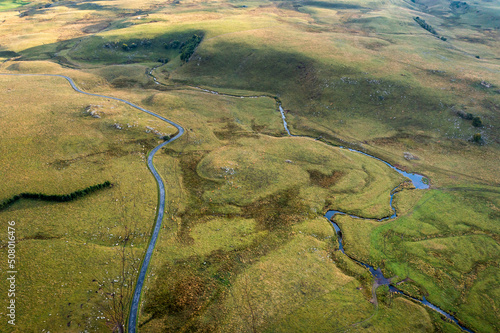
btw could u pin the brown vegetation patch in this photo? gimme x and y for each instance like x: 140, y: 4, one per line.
x: 125, y: 82
x: 375, y: 46
x: 181, y: 294
x: 232, y: 130
x: 320, y: 179
x: 278, y: 211
x: 114, y: 151
x: 190, y: 178
x: 94, y: 28
x: 474, y: 40
x: 417, y: 138
x: 61, y: 163
x: 308, y: 80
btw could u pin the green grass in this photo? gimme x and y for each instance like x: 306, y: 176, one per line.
x: 256, y: 168
x: 7, y: 5
x: 447, y: 245
x: 57, y: 241
x: 249, y: 250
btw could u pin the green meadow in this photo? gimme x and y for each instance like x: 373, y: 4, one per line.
x: 8, y: 5
x: 244, y: 246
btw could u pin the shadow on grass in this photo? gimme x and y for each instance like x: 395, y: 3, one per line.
x: 330, y: 5
x: 97, y: 50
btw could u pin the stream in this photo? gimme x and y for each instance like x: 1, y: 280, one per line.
x: 150, y: 73
x: 419, y: 181
x: 380, y: 279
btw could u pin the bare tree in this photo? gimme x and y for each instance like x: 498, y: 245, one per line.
x: 116, y: 286
x: 117, y: 291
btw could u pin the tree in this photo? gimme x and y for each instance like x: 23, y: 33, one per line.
x: 476, y: 122
x: 115, y: 286
x: 172, y: 45
x: 477, y: 138
x: 117, y: 290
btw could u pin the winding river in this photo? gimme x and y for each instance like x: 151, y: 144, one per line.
x: 419, y: 181
x: 132, y: 322
x: 380, y: 279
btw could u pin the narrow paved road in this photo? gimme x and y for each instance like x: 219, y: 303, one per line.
x: 132, y: 322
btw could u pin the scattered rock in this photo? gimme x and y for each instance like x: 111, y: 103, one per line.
x: 228, y: 170
x: 409, y: 156
x: 486, y: 84
x: 94, y: 110
x: 150, y: 129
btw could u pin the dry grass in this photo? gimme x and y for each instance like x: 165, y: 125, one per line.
x: 369, y: 76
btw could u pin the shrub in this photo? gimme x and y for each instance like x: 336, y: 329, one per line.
x: 477, y: 138
x: 465, y: 115
x: 172, y: 45
x: 476, y: 122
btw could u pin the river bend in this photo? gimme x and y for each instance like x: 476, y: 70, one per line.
x: 417, y: 180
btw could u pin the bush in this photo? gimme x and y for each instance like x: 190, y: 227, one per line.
x: 476, y: 122
x: 477, y: 138
x: 465, y: 115
x: 425, y: 25
x: 172, y: 45
x: 125, y: 47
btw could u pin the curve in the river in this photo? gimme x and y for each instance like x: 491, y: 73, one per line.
x: 132, y: 322
x: 419, y: 181
x: 150, y: 73
x: 380, y: 279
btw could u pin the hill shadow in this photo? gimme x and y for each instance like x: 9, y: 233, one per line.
x: 330, y: 5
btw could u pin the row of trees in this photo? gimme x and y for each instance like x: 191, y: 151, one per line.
x: 428, y: 27
x: 185, y: 48
x: 188, y: 48
x: 425, y: 25
x: 55, y: 197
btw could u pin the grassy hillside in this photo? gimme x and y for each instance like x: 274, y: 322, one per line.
x: 69, y: 252
x: 244, y: 246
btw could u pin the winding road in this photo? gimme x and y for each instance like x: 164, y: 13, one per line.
x: 132, y: 322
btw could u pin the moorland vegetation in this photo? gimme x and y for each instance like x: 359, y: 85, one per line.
x: 244, y: 245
